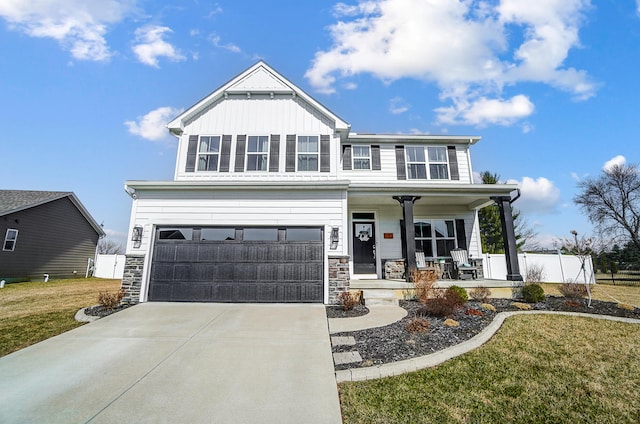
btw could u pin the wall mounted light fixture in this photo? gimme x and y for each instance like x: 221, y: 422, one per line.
x: 136, y: 236
x: 335, y: 237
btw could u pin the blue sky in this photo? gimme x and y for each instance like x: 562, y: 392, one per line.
x: 551, y: 86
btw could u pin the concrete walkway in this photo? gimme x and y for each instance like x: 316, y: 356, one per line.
x: 179, y: 363
x: 378, y: 316
x: 436, y: 358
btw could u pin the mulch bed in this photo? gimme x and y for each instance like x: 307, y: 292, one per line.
x: 100, y: 311
x: 394, y: 343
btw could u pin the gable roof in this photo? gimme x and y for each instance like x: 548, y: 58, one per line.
x: 12, y: 201
x: 258, y: 79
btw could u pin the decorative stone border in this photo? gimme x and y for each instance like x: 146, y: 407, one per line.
x: 437, y: 358
x: 82, y: 317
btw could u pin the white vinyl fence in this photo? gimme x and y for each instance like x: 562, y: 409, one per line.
x: 109, y: 266
x: 556, y: 268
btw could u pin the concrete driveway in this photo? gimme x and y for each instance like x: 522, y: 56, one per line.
x: 179, y: 363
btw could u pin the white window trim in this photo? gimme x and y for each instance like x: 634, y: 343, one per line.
x: 199, y: 153
x: 247, y: 154
x: 427, y: 164
x: 6, y: 239
x: 433, y: 238
x: 298, y: 153
x: 354, y: 157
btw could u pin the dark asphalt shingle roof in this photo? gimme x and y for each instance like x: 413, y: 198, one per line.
x: 17, y: 200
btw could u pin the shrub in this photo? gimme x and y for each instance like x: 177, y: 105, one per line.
x: 573, y: 290
x: 418, y: 325
x: 572, y: 304
x: 533, y: 293
x: 480, y: 293
x: 424, y: 281
x: 442, y: 304
x: 535, y: 274
x: 347, y: 301
x: 472, y: 311
x: 460, y: 292
x: 522, y: 306
x: 109, y: 300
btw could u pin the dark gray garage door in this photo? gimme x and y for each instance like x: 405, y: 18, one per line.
x: 214, y: 264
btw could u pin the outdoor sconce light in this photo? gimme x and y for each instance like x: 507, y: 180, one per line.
x: 136, y: 236
x: 334, y: 238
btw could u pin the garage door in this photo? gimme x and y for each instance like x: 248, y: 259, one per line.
x: 237, y: 264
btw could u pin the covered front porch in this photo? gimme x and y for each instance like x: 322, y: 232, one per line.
x: 389, y: 234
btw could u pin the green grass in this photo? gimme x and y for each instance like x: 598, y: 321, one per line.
x: 35, y: 311
x: 605, y: 292
x: 536, y: 369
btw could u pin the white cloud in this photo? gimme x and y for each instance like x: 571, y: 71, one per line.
x: 397, y: 106
x: 615, y: 161
x: 539, y: 196
x: 78, y: 25
x: 638, y: 6
x: 216, y: 41
x: 486, y: 111
x: 150, y: 45
x: 471, y: 49
x: 152, y: 126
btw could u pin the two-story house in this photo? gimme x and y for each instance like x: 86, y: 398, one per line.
x: 275, y: 200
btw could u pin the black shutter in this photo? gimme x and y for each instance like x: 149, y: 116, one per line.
x: 192, y: 149
x: 346, y: 157
x: 225, y: 153
x: 325, y: 153
x: 453, y: 162
x: 290, y: 165
x: 274, y: 153
x: 400, y: 164
x: 241, y: 143
x: 461, y: 235
x: 375, y: 158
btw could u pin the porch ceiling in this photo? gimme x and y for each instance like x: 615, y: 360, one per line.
x: 469, y: 196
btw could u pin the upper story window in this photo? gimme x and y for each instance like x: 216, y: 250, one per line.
x: 308, y: 152
x: 257, y: 153
x: 427, y: 163
x: 208, y: 153
x: 361, y: 157
x: 10, y: 239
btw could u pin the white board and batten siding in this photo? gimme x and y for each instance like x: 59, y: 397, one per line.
x: 259, y: 115
x: 313, y: 208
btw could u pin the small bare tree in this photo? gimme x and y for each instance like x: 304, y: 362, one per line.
x: 109, y: 247
x: 581, y: 247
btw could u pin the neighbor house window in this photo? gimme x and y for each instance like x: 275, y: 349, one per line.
x: 257, y: 152
x: 308, y: 153
x: 10, y: 240
x: 361, y: 157
x: 208, y: 153
x: 427, y: 163
x: 436, y: 237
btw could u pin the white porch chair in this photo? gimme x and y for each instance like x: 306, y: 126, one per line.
x: 461, y: 261
x: 421, y: 262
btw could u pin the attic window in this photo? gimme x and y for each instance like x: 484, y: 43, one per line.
x: 10, y: 240
x: 308, y: 152
x: 208, y: 153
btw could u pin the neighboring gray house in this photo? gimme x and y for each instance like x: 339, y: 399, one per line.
x: 45, y: 232
x: 275, y: 199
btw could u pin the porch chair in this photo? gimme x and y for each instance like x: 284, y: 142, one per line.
x: 461, y: 261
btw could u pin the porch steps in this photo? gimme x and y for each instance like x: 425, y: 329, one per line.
x: 380, y: 297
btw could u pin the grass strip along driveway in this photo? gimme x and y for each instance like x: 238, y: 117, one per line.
x: 537, y: 368
x: 35, y: 311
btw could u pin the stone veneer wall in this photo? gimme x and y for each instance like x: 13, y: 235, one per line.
x: 132, y: 278
x: 394, y: 269
x: 339, y: 279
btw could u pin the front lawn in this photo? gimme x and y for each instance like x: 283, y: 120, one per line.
x: 32, y: 312
x: 604, y: 292
x: 536, y: 369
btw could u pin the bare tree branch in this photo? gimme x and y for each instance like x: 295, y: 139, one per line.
x: 110, y: 247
